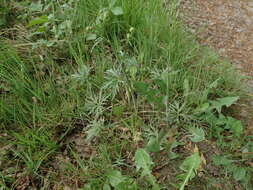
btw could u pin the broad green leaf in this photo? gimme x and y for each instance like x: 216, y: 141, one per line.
x: 190, y: 166
x: 239, y: 173
x: 220, y: 102
x: 153, y: 144
x: 117, y: 11
x: 143, y: 161
x: 115, y: 178
x: 228, y: 101
x: 173, y: 155
x: 210, y: 118
x: 119, y: 182
x: 197, y: 134
x: 191, y: 162
x: 40, y: 20
x: 144, y: 90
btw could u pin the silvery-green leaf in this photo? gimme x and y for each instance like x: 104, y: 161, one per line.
x: 197, y: 134
x: 143, y: 161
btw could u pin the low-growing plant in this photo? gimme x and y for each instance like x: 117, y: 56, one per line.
x: 234, y: 169
x: 119, y: 182
x: 190, y: 167
x: 143, y: 162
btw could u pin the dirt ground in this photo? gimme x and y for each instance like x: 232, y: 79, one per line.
x: 227, y: 26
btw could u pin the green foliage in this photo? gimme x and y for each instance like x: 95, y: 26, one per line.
x: 197, y: 134
x: 173, y: 155
x: 153, y: 144
x: 238, y: 172
x: 156, y: 140
x: 37, y: 21
x: 94, y: 129
x: 211, y: 112
x: 221, y: 124
x: 115, y: 178
x: 153, y: 95
x: 220, y: 102
x: 216, y: 105
x: 190, y: 166
x: 235, y: 126
x: 221, y: 160
x: 119, y: 182
x: 144, y: 162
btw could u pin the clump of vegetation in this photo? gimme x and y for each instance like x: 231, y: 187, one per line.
x: 115, y: 95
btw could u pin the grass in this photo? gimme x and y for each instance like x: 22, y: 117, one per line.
x: 115, y: 95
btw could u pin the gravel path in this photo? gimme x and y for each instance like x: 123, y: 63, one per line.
x: 227, y: 26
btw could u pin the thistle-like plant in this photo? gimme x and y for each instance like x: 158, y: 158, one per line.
x: 96, y: 104
x: 116, y: 83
